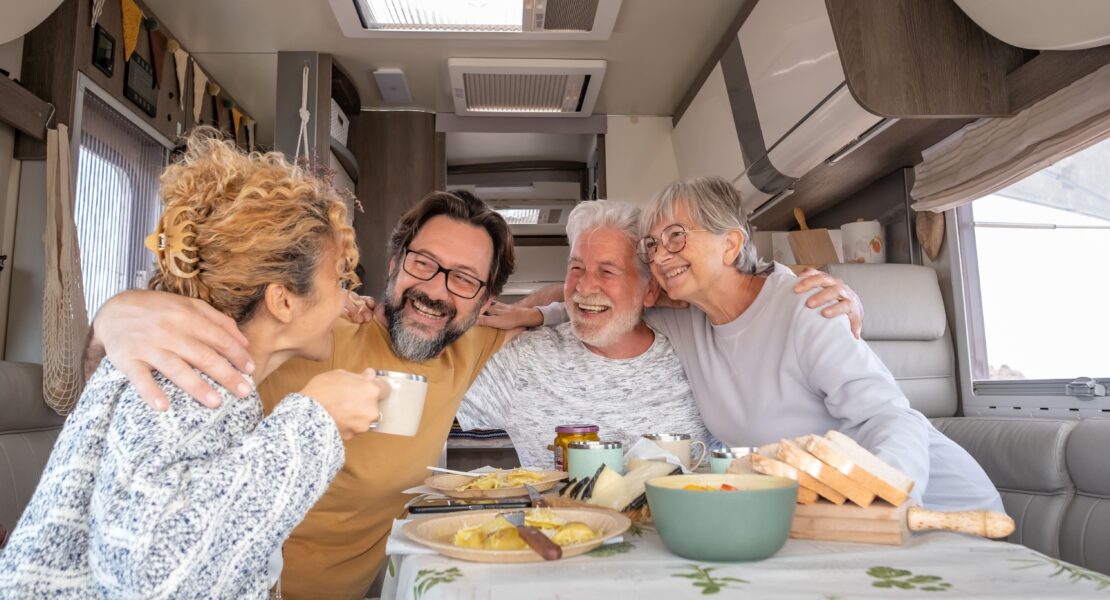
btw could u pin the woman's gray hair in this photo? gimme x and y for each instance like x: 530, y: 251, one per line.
x: 715, y: 205
x: 621, y: 216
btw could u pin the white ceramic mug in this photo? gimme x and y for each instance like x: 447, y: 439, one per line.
x: 680, y: 445
x: 401, y: 411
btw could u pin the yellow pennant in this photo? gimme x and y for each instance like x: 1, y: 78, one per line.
x: 236, y: 119
x: 132, y: 22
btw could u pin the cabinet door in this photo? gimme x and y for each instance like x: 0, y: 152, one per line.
x: 705, y: 140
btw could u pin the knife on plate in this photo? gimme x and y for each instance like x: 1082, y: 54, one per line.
x: 535, y: 538
x: 535, y: 497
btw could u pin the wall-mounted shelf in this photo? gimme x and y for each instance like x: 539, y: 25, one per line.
x: 23, y: 110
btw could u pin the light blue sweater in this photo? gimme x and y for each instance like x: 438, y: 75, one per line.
x: 188, y: 503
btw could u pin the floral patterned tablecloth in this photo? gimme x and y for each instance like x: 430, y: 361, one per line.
x: 933, y: 565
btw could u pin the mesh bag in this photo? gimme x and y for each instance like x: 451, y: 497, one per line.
x: 64, y: 320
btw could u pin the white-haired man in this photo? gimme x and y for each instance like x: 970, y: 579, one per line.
x: 605, y: 366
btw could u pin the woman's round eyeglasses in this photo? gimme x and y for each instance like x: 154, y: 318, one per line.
x: 673, y: 239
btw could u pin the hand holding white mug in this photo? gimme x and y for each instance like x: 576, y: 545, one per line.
x: 350, y: 398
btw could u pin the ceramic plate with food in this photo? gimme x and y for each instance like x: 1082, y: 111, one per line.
x: 495, y: 484
x: 485, y: 536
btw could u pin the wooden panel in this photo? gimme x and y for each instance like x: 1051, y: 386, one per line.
x: 23, y: 110
x: 47, y: 71
x: 908, y: 58
x: 1051, y: 71
x: 826, y: 185
x: 397, y: 158
x: 56, y: 50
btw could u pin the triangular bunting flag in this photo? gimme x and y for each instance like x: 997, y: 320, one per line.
x: 158, y: 43
x: 236, y: 119
x: 200, y: 85
x: 181, y: 63
x: 132, y: 21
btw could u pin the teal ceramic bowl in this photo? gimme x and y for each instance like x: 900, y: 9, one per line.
x: 751, y: 523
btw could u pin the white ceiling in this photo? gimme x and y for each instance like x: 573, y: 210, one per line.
x: 654, y: 54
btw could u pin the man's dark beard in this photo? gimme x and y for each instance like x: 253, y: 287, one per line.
x: 408, y: 344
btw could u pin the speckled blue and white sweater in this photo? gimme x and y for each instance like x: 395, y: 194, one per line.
x: 188, y: 503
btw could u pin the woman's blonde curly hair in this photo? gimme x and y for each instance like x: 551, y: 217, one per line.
x: 250, y: 220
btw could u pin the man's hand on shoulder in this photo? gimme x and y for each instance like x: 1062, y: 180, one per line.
x: 510, y: 316
x: 142, y: 330
x: 846, y: 300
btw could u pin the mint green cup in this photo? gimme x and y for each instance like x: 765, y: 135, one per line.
x: 751, y: 523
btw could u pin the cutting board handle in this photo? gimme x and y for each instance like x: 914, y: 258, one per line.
x: 800, y: 215
x: 976, y: 522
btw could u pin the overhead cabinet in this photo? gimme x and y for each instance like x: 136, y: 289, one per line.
x: 775, y: 106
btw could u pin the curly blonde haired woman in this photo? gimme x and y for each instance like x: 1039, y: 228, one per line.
x: 195, y: 501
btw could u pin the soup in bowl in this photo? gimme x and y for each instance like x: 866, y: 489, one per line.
x: 722, y: 517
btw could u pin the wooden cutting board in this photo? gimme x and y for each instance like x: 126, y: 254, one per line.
x: 811, y: 246
x: 881, y: 523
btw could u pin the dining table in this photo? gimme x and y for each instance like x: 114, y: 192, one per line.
x: 936, y: 564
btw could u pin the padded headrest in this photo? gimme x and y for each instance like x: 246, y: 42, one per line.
x: 22, y: 408
x: 900, y: 302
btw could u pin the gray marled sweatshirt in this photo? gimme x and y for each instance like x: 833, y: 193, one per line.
x: 547, y: 377
x: 187, y: 503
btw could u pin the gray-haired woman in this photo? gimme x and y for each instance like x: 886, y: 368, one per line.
x: 763, y: 367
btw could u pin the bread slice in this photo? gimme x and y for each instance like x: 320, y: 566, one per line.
x: 861, y: 466
x: 771, y: 466
x: 806, y: 495
x: 795, y: 456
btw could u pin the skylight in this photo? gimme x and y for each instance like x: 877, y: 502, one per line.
x: 442, y: 15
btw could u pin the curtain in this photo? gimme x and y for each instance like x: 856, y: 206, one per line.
x: 64, y: 321
x: 117, y: 201
x: 991, y: 154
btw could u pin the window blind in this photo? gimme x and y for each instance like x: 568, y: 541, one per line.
x: 116, y: 202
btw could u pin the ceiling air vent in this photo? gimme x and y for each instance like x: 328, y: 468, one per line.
x: 561, y: 15
x: 525, y: 87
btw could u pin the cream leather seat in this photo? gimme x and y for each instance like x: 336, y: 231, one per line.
x: 28, y: 429
x: 1053, y: 474
x: 905, y: 324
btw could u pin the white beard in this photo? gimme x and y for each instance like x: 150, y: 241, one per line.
x: 617, y: 326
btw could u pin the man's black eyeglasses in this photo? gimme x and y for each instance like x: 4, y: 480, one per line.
x: 424, y: 268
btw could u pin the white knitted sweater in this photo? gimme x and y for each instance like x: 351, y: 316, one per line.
x: 187, y: 503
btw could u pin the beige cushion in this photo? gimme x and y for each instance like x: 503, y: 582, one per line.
x: 28, y: 429
x: 901, y: 302
x: 1026, y: 461
x: 905, y: 325
x: 1085, y: 534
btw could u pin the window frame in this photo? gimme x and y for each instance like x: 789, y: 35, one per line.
x: 1011, y: 398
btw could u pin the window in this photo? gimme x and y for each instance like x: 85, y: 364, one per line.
x: 116, y: 203
x: 1033, y: 256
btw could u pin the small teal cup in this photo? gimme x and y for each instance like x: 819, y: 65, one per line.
x: 584, y: 458
x: 720, y: 460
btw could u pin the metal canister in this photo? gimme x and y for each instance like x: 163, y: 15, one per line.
x: 564, y: 435
x: 585, y: 458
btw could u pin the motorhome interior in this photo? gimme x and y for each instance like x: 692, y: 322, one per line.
x: 937, y: 171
